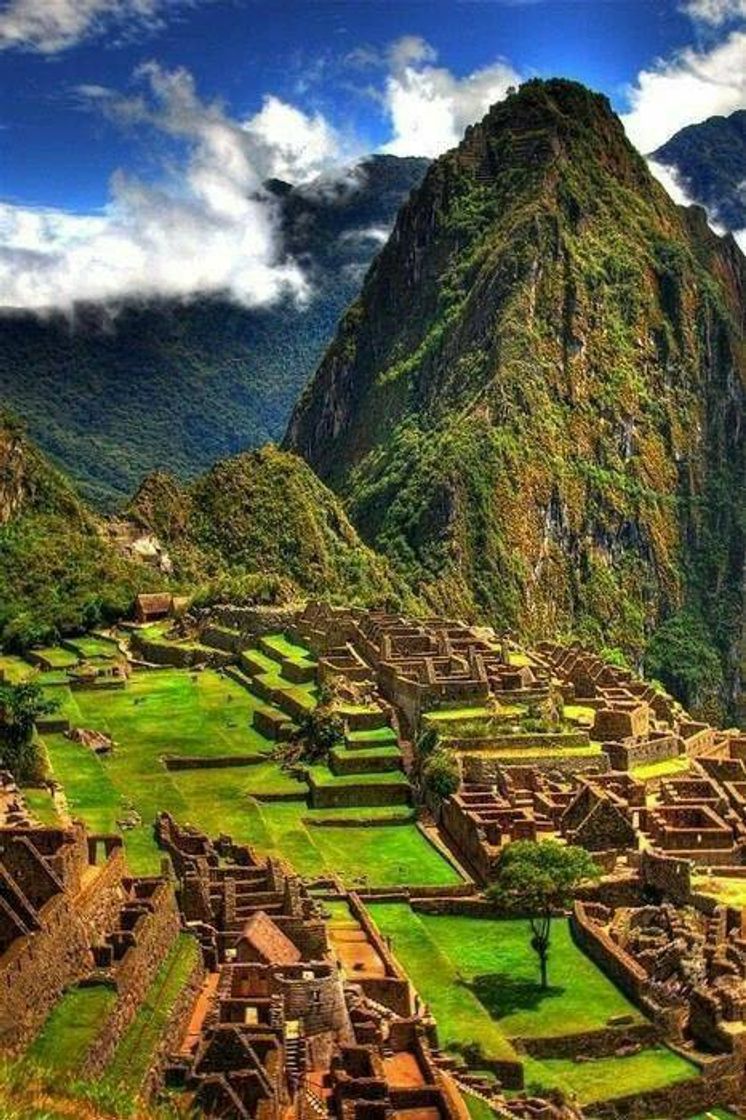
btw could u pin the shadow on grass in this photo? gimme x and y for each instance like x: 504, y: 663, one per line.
x: 503, y: 994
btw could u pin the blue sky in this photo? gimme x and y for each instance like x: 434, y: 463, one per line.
x: 119, y: 107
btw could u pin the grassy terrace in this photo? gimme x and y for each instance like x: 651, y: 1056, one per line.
x: 536, y: 750
x: 58, y: 658
x: 479, y: 978
x: 281, y: 645
x: 14, y: 669
x: 174, y: 712
x: 91, y: 646
x: 71, y: 1027
x: 730, y: 891
x: 134, y: 1054
x: 40, y: 803
x: 606, y: 1078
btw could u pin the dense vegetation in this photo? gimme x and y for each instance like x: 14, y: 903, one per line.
x: 533, y: 407
x: 710, y: 159
x: 262, y: 526
x: 58, y: 572
x: 136, y: 387
x: 256, y: 528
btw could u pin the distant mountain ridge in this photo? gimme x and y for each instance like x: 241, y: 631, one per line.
x: 126, y: 390
x: 710, y: 162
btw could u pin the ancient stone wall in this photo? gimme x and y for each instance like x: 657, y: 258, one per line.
x: 613, y: 961
x: 675, y: 1102
x: 35, y: 970
x: 175, y: 1030
x: 155, y: 935
x: 668, y: 875
x: 624, y: 756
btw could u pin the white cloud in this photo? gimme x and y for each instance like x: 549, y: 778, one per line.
x: 669, y: 179
x: 685, y: 89
x: 208, y: 228
x: 50, y: 26
x: 715, y: 12
x: 429, y: 108
x: 298, y: 146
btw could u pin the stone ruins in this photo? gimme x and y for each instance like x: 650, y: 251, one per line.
x: 298, y: 1006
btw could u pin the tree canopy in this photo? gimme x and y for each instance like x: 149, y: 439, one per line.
x: 538, y: 879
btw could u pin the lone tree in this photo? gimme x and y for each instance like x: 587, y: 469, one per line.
x: 538, y: 879
x: 20, y: 707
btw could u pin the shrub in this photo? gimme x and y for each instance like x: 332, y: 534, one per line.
x: 441, y: 775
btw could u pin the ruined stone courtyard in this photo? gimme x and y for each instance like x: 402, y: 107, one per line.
x: 185, y: 913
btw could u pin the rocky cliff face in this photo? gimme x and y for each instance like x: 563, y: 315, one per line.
x: 28, y: 483
x: 536, y: 404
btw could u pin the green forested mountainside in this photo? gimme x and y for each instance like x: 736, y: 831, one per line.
x: 58, y: 571
x: 120, y: 391
x: 261, y: 524
x: 259, y: 527
x: 535, y: 405
x: 710, y: 159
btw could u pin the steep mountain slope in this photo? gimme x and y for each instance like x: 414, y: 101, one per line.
x: 710, y: 159
x: 261, y: 524
x: 535, y: 406
x: 127, y: 389
x: 256, y: 528
x: 57, y: 569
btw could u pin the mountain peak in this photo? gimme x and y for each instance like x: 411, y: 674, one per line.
x: 518, y: 407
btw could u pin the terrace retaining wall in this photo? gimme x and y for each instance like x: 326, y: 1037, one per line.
x: 603, y: 1043
x: 156, y: 935
x: 676, y: 1102
x: 35, y: 971
x: 175, y: 1029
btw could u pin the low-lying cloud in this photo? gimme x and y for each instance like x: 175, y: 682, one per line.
x: 208, y: 227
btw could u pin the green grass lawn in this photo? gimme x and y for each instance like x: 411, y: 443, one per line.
x: 57, y: 657
x: 729, y: 890
x: 536, y: 750
x: 376, y: 737
x: 91, y: 646
x: 170, y: 712
x: 71, y: 1027
x: 479, y: 978
x: 282, y: 645
x: 455, y: 715
x: 670, y: 768
x: 605, y: 1078
x: 176, y: 712
x: 478, y: 1109
x: 134, y: 1054
x: 14, y: 669
x: 493, y: 961
x: 579, y: 713
x: 323, y: 776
